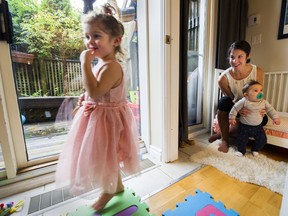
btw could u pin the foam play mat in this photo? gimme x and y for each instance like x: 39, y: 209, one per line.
x: 122, y: 204
x: 201, y: 204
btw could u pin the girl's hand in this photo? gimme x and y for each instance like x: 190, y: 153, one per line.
x: 276, y: 121
x: 87, y: 56
x: 80, y: 100
x: 244, y: 111
x: 79, y: 104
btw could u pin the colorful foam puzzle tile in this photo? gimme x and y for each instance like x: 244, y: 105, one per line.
x: 122, y: 204
x: 201, y: 204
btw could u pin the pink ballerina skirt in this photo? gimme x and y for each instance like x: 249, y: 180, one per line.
x: 103, y: 138
x: 98, y: 145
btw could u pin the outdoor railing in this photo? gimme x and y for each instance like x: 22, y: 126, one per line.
x: 46, y: 77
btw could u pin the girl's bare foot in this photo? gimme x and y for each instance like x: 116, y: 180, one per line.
x: 223, y: 147
x: 103, y: 199
x: 214, y: 137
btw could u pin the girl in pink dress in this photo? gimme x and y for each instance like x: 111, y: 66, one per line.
x: 103, y: 136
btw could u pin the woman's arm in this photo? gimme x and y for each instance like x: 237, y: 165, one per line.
x: 224, y: 86
x: 260, y: 78
x: 260, y: 75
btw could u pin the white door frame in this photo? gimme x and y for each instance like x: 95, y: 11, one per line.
x: 171, y: 80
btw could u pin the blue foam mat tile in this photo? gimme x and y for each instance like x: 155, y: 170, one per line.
x: 200, y: 204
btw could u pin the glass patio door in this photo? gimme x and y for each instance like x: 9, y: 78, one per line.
x: 192, y: 61
x: 47, y: 87
x: 195, y: 54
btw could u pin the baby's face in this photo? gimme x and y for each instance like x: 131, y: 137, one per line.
x: 254, y: 93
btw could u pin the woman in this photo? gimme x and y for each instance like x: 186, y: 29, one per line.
x: 231, y: 82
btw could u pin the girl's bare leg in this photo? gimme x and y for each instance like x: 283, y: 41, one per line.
x: 104, y: 198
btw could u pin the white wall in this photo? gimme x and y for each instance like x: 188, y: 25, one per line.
x: 271, y: 53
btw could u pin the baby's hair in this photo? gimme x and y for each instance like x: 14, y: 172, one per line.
x: 104, y: 15
x: 249, y: 84
x: 240, y: 45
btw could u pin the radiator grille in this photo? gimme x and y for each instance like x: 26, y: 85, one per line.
x: 51, y: 198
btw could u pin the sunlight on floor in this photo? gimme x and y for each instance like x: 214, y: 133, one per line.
x: 156, y: 178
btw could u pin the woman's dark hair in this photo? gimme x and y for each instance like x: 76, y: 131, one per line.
x: 240, y: 45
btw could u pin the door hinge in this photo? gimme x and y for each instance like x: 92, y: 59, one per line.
x: 167, y: 39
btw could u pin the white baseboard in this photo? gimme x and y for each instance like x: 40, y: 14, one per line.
x: 155, y: 152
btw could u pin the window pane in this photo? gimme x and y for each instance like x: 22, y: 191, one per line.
x: 46, y: 67
x: 194, y: 76
x: 128, y: 16
x: 48, y: 80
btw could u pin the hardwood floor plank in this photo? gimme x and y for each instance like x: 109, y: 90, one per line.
x: 261, y: 196
x: 245, y: 198
x: 275, y: 200
x: 251, y: 209
x: 248, y: 190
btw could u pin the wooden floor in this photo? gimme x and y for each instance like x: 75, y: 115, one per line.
x: 247, y: 199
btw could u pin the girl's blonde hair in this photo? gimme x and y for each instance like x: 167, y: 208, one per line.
x: 104, y: 15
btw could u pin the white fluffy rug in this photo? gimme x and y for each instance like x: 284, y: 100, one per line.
x: 259, y: 170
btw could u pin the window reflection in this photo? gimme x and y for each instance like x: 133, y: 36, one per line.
x: 48, y: 87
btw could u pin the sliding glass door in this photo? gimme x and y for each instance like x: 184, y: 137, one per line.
x: 192, y: 61
x: 45, y: 83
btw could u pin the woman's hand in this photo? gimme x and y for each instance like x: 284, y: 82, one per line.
x: 244, y: 111
x: 232, y: 121
x: 262, y: 112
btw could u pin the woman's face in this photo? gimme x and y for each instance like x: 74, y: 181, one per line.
x: 237, y: 59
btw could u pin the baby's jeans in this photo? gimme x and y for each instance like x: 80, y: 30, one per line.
x: 246, y: 131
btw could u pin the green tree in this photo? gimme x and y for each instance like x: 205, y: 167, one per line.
x: 55, y: 5
x: 21, y: 10
x: 51, y: 30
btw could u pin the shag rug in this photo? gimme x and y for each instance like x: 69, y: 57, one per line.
x: 258, y: 170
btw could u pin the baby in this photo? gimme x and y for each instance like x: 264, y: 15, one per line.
x: 250, y: 125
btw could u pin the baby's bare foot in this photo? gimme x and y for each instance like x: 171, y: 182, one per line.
x: 103, y: 199
x: 223, y: 147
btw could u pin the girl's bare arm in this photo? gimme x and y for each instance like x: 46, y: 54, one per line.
x: 110, y: 75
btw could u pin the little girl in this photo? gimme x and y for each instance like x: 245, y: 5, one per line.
x: 103, y: 134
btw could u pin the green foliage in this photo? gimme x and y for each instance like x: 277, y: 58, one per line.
x: 50, y: 29
x: 37, y: 94
x: 21, y: 10
x: 51, y: 6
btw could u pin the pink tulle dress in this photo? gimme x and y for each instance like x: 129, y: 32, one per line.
x: 99, y: 143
